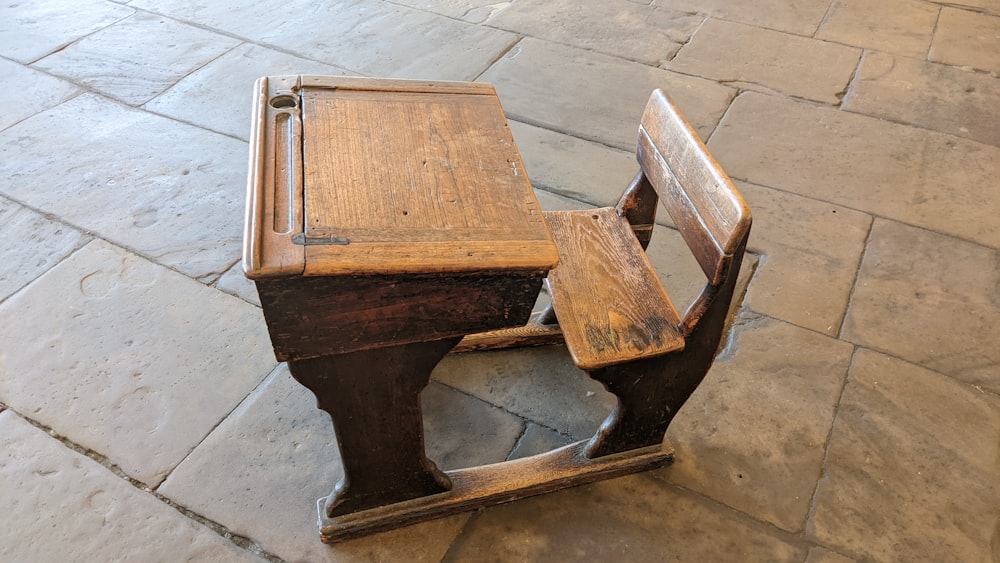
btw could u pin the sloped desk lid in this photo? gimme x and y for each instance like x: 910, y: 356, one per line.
x: 352, y: 176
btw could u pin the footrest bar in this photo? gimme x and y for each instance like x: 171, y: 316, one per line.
x: 487, y: 485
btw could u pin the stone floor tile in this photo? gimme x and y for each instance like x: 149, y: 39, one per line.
x: 462, y: 431
x: 252, y: 20
x: 822, y: 555
x: 128, y: 358
x: 472, y: 11
x: 59, y: 505
x: 801, y: 17
x: 902, y: 27
x: 582, y: 170
x: 383, y: 39
x: 802, y: 278
x: 260, y: 473
x: 539, y: 384
x: 929, y: 299
x: 936, y: 96
x: 538, y: 439
x: 235, y: 283
x: 912, y: 472
x: 177, y: 191
x: 219, y: 96
x: 594, y: 96
x: 968, y: 39
x: 31, y: 30
x: 753, y: 435
x: 887, y: 169
x: 760, y: 59
x: 632, y: 518
x: 32, y: 245
x: 645, y: 34
x: 137, y: 58
x: 35, y: 92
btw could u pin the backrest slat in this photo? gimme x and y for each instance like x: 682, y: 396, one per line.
x: 709, y: 212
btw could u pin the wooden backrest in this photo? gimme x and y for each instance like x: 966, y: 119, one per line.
x: 707, y: 209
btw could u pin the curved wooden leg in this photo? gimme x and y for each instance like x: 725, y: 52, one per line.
x: 373, y: 397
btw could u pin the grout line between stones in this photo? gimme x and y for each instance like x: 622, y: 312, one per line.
x: 829, y: 439
x: 242, y: 542
x: 514, y: 45
x: 851, y: 82
x: 825, y: 19
x: 857, y: 279
x: 82, y: 37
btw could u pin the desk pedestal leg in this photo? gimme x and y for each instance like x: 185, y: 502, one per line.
x: 373, y: 397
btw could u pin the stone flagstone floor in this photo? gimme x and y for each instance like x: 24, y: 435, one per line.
x: 853, y: 415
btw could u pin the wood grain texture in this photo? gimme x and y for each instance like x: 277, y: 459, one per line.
x: 488, y: 485
x: 373, y: 176
x: 707, y: 209
x: 417, y: 181
x: 274, y: 185
x: 611, y: 306
x: 531, y: 334
x: 316, y: 316
x: 373, y: 397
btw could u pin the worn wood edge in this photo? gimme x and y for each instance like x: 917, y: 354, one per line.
x: 563, y: 300
x: 254, y: 209
x: 274, y: 254
x: 684, y: 129
x: 448, y: 257
x: 395, y: 85
x: 531, y: 334
x: 498, y: 483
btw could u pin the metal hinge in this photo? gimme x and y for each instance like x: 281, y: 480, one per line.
x: 303, y: 240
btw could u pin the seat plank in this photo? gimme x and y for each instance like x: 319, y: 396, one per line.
x: 611, y: 306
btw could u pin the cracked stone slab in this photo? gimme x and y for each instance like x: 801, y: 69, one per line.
x: 371, y: 38
x: 137, y: 58
x: 799, y: 18
x: 537, y: 440
x: 472, y: 11
x: 235, y: 283
x: 178, y: 191
x: 760, y: 59
x: 802, y: 278
x: 594, y: 96
x: 864, y: 163
x: 219, y: 95
x: 633, y: 518
x: 902, y: 27
x: 753, y: 435
x: 29, y: 92
x: 912, y: 471
x: 938, y: 307
x: 59, y: 505
x: 538, y: 384
x: 966, y: 38
x: 260, y: 472
x: 572, y: 167
x: 949, y: 99
x: 32, y: 245
x: 129, y: 359
x: 31, y: 30
x: 645, y: 34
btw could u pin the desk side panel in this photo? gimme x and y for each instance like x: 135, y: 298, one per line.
x: 317, y: 316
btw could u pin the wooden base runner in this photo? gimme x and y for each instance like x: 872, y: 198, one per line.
x: 487, y: 485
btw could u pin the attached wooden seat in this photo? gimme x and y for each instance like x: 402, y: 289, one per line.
x: 611, y: 306
x: 613, y: 313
